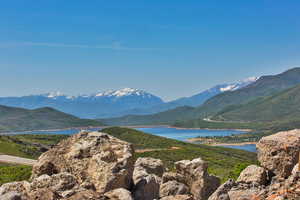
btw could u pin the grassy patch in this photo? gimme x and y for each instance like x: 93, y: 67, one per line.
x: 28, y: 146
x: 40, y: 138
x: 10, y: 173
x: 16, y: 148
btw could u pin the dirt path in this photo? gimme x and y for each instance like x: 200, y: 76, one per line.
x: 16, y: 160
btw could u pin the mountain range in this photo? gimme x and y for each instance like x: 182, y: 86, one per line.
x: 272, y: 98
x: 116, y: 103
x: 87, y: 106
x: 263, y: 88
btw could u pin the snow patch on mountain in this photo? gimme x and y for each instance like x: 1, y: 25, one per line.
x: 228, y: 88
x: 123, y: 92
x: 239, y: 85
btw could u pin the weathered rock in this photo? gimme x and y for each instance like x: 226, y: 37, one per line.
x: 295, y: 169
x: 253, y: 174
x: 12, y: 196
x: 58, y: 183
x: 171, y: 176
x: 279, y: 153
x: 43, y: 194
x: 149, y: 166
x: 15, y: 190
x: 93, y: 158
x: 118, y: 194
x: 173, y: 188
x: 244, y: 193
x: 178, y: 197
x: 147, y: 188
x: 232, y: 190
x: 86, y: 195
x: 283, y: 189
x: 222, y: 192
x: 201, y: 184
x: 146, y: 178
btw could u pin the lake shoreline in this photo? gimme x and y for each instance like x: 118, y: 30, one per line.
x: 233, y: 144
x: 79, y: 128
x: 213, y: 129
x: 214, y: 143
x: 133, y: 126
x: 189, y: 135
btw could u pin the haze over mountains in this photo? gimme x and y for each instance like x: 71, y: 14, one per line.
x: 116, y: 103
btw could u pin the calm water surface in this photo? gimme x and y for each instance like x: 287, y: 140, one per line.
x: 173, y: 133
x: 184, y: 134
x: 247, y: 147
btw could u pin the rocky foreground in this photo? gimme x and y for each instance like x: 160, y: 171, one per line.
x: 97, y: 166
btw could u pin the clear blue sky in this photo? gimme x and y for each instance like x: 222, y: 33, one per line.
x: 171, y: 48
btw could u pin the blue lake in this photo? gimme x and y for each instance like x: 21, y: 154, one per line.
x: 173, y: 133
x: 247, y: 147
x: 184, y: 134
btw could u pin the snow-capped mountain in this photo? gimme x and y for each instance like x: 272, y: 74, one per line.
x: 115, y: 103
x: 238, y: 85
x: 124, y: 92
x: 98, y: 105
x: 195, y: 100
x: 200, y: 98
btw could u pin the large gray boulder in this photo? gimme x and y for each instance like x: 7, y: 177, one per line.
x: 253, y: 174
x: 201, y: 184
x: 148, y: 166
x: 93, y: 158
x: 279, y: 153
x: 173, y: 188
x: 147, y: 178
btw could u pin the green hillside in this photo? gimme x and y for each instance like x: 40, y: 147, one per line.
x: 264, y: 87
x: 222, y: 161
x: 166, y: 117
x: 18, y: 119
x: 284, y: 106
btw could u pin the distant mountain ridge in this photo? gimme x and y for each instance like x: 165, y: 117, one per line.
x: 198, y: 99
x: 19, y: 119
x: 193, y: 101
x: 263, y: 87
x: 284, y: 105
x: 115, y: 103
x: 87, y: 106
